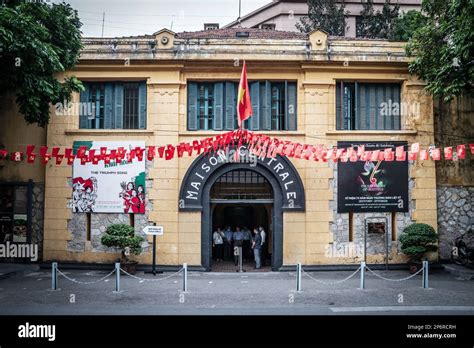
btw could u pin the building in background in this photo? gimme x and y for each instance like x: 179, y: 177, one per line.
x: 21, y: 184
x: 284, y: 14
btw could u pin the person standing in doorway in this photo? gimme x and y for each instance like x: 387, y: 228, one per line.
x: 257, y: 248
x: 238, y: 241
x: 247, y: 241
x: 218, y: 244
x: 228, y: 253
x: 263, y: 235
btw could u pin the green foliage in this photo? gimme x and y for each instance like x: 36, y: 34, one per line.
x: 444, y: 48
x: 406, y: 25
x: 122, y: 236
x: 325, y: 15
x: 39, y: 41
x: 418, y: 239
x: 377, y: 25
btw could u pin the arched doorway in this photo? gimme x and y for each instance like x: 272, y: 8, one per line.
x: 242, y: 199
x: 230, y: 189
x: 283, y: 191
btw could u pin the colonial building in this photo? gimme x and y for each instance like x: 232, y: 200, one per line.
x: 169, y: 88
x: 284, y: 14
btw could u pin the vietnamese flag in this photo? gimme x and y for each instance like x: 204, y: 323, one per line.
x: 244, y: 107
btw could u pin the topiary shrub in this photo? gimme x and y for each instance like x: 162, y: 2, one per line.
x: 418, y: 239
x: 123, y: 237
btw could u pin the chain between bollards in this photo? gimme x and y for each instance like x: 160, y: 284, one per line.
x: 185, y: 277
x: 54, y: 276
x: 362, y: 275
x: 117, y: 277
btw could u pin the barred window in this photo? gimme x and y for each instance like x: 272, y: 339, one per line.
x: 213, y: 105
x: 113, y: 105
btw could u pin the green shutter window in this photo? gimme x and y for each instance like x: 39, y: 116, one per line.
x: 118, y: 106
x: 108, y: 105
x: 396, y: 117
x: 230, y: 106
x: 85, y: 107
x: 218, y: 106
x: 142, y: 105
x: 266, y: 105
x: 255, y: 100
x: 291, y: 122
x: 97, y: 121
x: 339, y: 119
x: 372, y: 116
x: 192, y: 105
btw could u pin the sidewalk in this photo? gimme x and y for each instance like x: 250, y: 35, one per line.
x: 266, y: 293
x: 8, y: 270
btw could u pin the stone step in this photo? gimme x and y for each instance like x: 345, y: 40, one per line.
x: 459, y: 271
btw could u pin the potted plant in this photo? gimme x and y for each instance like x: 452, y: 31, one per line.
x: 416, y: 240
x: 123, y: 237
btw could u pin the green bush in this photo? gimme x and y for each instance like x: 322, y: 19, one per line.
x: 122, y: 236
x: 418, y: 239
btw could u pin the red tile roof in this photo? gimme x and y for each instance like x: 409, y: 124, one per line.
x: 230, y: 33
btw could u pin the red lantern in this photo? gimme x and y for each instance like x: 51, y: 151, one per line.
x: 59, y: 159
x: 402, y: 157
x: 55, y: 151
x: 424, y: 155
x: 436, y: 154
x: 461, y: 150
x: 16, y: 156
x: 31, y: 158
x: 448, y: 153
x: 150, y: 153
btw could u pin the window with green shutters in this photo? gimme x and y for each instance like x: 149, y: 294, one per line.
x: 113, y: 105
x: 213, y: 105
x: 367, y: 106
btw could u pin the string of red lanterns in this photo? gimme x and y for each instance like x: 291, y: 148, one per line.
x: 258, y: 144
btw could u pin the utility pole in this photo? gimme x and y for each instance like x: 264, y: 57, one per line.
x: 240, y: 10
x: 103, y: 22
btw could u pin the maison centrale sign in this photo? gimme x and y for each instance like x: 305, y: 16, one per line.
x: 205, y: 170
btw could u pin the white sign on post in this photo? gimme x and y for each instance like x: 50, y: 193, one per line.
x: 154, y: 230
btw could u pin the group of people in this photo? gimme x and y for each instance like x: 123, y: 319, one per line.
x: 224, y: 242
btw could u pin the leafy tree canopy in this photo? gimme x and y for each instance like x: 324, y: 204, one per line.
x: 325, y: 15
x: 380, y: 24
x: 38, y: 40
x: 443, y: 48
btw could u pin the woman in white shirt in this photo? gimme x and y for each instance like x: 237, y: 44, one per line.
x: 218, y: 244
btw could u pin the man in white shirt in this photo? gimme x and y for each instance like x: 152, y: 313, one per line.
x: 264, y: 244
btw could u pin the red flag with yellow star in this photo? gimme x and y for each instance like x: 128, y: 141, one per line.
x: 244, y: 107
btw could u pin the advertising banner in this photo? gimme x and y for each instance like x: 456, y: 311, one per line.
x: 372, y: 186
x: 109, y: 188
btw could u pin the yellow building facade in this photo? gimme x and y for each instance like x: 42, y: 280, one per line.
x: 168, y: 64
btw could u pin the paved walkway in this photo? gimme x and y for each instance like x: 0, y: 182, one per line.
x: 236, y: 293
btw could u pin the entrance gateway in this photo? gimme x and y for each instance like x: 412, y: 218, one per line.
x: 225, y: 186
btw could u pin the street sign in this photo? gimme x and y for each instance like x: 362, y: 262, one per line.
x: 154, y: 230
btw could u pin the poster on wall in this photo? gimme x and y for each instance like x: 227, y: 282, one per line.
x: 379, y: 186
x: 109, y: 188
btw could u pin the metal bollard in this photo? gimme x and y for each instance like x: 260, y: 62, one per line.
x: 54, y: 276
x: 425, y: 275
x: 185, y: 277
x: 362, y: 275
x: 117, y: 277
x: 298, y: 277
